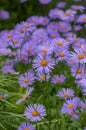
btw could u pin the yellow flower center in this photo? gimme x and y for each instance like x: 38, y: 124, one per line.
x: 67, y: 38
x: 26, y: 128
x: 70, y: 106
x: 27, y: 26
x: 44, y: 63
x: 10, y: 35
x: 80, y: 56
x: 25, y: 95
x: 54, y: 36
x: 65, y: 95
x: 61, y: 54
x: 44, y: 51
x: 59, y: 43
x: 58, y: 79
x: 35, y: 113
x: 26, y: 80
x: 79, y: 71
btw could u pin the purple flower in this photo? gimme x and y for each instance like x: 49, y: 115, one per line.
x: 56, y: 79
x: 77, y: 27
x: 78, y: 56
x: 56, y: 13
x: 26, y: 79
x: 61, y: 4
x: 43, y: 64
x: 34, y: 20
x: 4, y: 14
x: 85, y: 128
x: 52, y: 27
x: 81, y: 18
x: 35, y: 112
x: 70, y: 105
x: 83, y: 105
x: 78, y: 7
x: 25, y: 96
x: 65, y: 93
x: 8, y: 69
x: 26, y: 126
x: 44, y: 1
x: 42, y: 77
x: 43, y: 20
x: 3, y: 95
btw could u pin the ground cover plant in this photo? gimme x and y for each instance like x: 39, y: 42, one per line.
x: 43, y: 69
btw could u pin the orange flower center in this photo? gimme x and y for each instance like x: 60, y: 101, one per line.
x: 42, y: 37
x: 42, y: 78
x: 84, y: 51
x: 26, y: 80
x: 25, y: 95
x: 80, y: 45
x: 75, y: 40
x: 70, y: 106
x: 44, y: 63
x: 21, y: 31
x: 61, y: 54
x: 67, y: 38
x: 59, y: 43
x: 58, y: 79
x: 67, y: 14
x: 65, y: 95
x: 35, y: 113
x: 15, y: 41
x: 79, y: 71
x: 53, y: 28
x: 54, y: 36
x: 1, y: 96
x: 85, y: 18
x: 26, y: 128
x: 44, y: 51
x: 80, y: 56
x: 10, y: 53
x: 10, y: 35
x: 27, y: 26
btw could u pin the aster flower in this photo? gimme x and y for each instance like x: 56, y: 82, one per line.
x: 78, y: 7
x: 42, y: 77
x: 44, y: 1
x: 74, y: 114
x: 52, y: 27
x: 43, y: 20
x: 56, y: 79
x: 25, y: 96
x: 83, y: 105
x: 70, y: 105
x: 64, y: 27
x: 81, y: 18
x: 56, y: 13
x: 26, y: 126
x: 35, y: 112
x: 8, y: 69
x: 65, y: 93
x: 43, y: 64
x: 40, y: 35
x: 3, y: 95
x: 26, y: 79
x: 61, y: 4
x: 34, y: 20
x: 4, y: 14
x: 77, y: 27
x: 69, y: 15
x: 54, y: 35
x: 77, y: 70
x: 78, y: 56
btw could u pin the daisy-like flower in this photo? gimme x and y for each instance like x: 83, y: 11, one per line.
x: 8, y: 69
x: 26, y: 79
x: 42, y: 77
x: 78, y: 7
x: 70, y: 105
x: 25, y: 96
x: 26, y: 126
x: 61, y: 4
x: 44, y: 1
x: 43, y: 64
x: 58, y: 79
x: 81, y: 18
x: 3, y: 95
x: 83, y: 105
x: 35, y: 112
x: 78, y: 56
x: 52, y: 27
x: 4, y: 14
x: 65, y: 93
x: 43, y: 20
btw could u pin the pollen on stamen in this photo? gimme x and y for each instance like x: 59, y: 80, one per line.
x: 44, y: 63
x: 26, y: 80
x: 80, y: 56
x: 35, y: 113
x: 70, y: 106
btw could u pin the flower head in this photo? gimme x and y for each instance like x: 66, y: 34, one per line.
x: 26, y: 126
